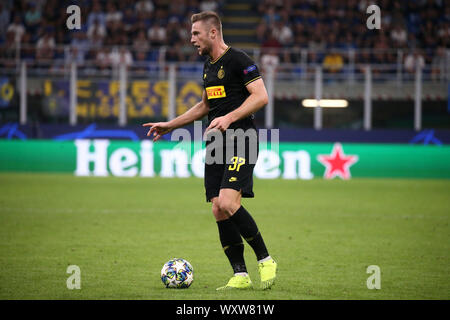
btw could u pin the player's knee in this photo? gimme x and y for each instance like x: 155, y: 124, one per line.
x: 217, y: 212
x: 227, y: 205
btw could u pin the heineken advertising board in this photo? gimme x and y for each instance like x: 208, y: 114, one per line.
x: 171, y: 159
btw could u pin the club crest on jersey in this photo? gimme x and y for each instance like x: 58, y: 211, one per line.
x: 215, y: 92
x: 221, y: 73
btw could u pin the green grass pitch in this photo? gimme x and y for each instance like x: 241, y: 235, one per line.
x: 323, y: 234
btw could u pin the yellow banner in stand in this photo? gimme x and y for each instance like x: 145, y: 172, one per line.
x: 100, y: 99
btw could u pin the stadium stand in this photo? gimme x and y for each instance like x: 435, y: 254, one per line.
x: 311, y: 24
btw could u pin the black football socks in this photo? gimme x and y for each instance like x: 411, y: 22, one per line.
x: 232, y: 245
x: 249, y: 231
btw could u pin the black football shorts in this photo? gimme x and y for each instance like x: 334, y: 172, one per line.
x: 235, y: 170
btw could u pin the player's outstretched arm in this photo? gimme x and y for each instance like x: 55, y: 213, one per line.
x: 197, y: 112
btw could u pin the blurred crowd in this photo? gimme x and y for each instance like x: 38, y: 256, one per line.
x: 330, y: 27
x: 112, y: 32
x: 327, y: 27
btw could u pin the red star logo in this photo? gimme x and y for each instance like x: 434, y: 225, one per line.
x: 337, y: 164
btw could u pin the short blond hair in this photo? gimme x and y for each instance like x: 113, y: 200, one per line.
x: 209, y: 17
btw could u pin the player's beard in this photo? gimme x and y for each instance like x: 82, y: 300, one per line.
x: 206, y: 51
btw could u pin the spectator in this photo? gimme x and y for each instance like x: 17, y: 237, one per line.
x: 114, y: 28
x: 73, y: 54
x: 112, y: 15
x: 80, y: 41
x: 9, y: 51
x: 28, y: 51
x: 331, y: 41
x: 333, y: 62
x: 157, y: 34
x: 141, y: 56
x: 49, y: 13
x: 59, y: 52
x: 192, y: 7
x: 4, y: 20
x: 174, y: 53
x: 95, y: 41
x: 143, y: 23
x: 38, y: 3
x: 316, y: 46
x: 261, y: 30
x: 413, y: 60
x: 270, y: 60
x: 145, y: 6
x: 271, y: 41
x: 443, y: 31
x: 102, y: 60
x: 269, y: 57
x: 96, y: 14
x: 120, y: 56
x: 32, y: 18
x: 140, y: 66
x: 184, y: 31
x: 102, y: 57
x: 412, y: 41
x: 186, y: 49
x: 438, y: 64
x: 17, y: 28
x: 129, y: 21
x: 348, y: 42
x: 119, y: 38
x: 45, y: 47
x: 271, y: 16
x: 96, y: 30
x: 283, y: 33
x: 209, y: 5
x: 173, y: 31
x: 177, y: 10
x: 427, y: 29
x: 381, y: 54
x: 160, y: 15
x: 399, y: 36
x: 313, y: 24
x: 141, y: 44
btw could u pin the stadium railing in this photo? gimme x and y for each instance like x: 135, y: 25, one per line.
x: 359, y: 74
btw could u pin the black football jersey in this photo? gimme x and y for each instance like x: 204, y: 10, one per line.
x: 225, y: 81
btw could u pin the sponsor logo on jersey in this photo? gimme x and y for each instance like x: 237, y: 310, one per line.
x: 216, y: 92
x: 250, y: 69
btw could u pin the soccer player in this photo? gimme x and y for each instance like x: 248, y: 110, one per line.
x: 234, y: 91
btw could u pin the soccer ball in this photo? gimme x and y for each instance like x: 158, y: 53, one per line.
x: 177, y: 273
